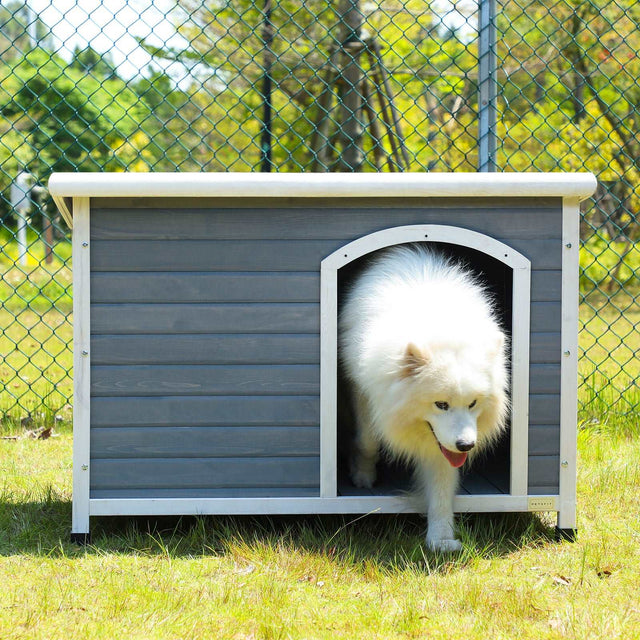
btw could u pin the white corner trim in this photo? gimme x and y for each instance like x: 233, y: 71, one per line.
x: 81, y: 366
x: 569, y: 362
x: 350, y: 185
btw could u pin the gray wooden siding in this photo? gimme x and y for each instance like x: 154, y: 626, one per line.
x: 131, y: 319
x: 198, y: 492
x: 204, y: 473
x: 205, y: 380
x: 195, y: 411
x: 205, y: 336
x: 224, y: 348
x: 248, y: 255
x: 190, y: 442
x: 165, y: 287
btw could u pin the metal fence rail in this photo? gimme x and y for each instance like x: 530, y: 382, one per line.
x: 278, y: 85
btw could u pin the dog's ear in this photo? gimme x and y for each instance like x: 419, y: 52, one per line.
x: 413, y: 361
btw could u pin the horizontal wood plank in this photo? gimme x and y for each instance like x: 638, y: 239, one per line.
x: 210, y: 255
x: 168, y: 287
x: 205, y: 380
x: 198, y: 442
x: 260, y: 220
x: 546, y: 285
x: 544, y: 471
x: 544, y: 440
x: 206, y: 411
x: 249, y: 348
x: 544, y: 378
x: 253, y: 255
x: 545, y: 347
x: 200, y: 473
x: 543, y: 491
x: 544, y: 409
x: 130, y: 319
x: 197, y: 493
x: 546, y: 317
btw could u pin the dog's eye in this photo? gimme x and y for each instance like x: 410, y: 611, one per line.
x: 442, y: 405
x: 473, y: 404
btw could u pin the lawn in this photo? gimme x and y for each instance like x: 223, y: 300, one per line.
x: 317, y: 577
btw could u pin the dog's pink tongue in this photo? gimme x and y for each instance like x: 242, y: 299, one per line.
x: 455, y: 459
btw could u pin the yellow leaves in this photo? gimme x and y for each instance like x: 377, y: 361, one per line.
x: 133, y: 154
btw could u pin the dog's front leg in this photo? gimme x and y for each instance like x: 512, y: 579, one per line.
x: 440, y: 481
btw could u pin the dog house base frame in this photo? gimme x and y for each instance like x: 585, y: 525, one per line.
x: 173, y: 273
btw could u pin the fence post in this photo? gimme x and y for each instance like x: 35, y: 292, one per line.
x: 487, y: 85
x: 351, y: 157
x: 21, y: 202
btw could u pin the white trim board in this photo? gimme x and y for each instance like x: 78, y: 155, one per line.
x: 569, y: 363
x: 81, y: 366
x: 282, y: 506
x: 349, y: 185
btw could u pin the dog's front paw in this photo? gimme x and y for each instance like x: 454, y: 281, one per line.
x: 363, y: 478
x: 444, y: 545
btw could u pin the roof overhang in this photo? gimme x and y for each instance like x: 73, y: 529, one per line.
x: 66, y: 186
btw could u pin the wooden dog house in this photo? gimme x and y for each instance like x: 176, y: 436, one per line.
x: 205, y: 333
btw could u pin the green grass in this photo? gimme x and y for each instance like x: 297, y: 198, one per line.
x: 36, y: 285
x: 36, y: 363
x: 609, y: 367
x: 316, y: 577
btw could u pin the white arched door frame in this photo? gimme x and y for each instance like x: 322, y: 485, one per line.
x: 521, y: 267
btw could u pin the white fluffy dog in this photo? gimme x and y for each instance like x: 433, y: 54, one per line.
x: 426, y: 357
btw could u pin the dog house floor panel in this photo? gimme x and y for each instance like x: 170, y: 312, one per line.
x: 472, y: 484
x: 394, y: 479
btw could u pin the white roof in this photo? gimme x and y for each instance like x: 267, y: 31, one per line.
x: 265, y: 185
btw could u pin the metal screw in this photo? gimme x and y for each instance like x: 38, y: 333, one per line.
x: 567, y: 352
x: 568, y: 245
x: 565, y: 463
x: 85, y: 353
x: 85, y: 467
x: 85, y: 244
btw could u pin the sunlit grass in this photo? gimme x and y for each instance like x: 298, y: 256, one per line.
x: 316, y: 577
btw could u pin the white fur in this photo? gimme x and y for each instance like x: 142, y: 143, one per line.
x: 416, y: 330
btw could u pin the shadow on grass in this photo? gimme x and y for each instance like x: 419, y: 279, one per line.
x: 390, y: 542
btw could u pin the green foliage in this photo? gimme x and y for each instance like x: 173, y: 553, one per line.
x: 568, y: 96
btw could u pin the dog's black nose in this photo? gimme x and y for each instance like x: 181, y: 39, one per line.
x: 465, y: 445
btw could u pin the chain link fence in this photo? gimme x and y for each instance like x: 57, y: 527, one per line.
x: 343, y: 85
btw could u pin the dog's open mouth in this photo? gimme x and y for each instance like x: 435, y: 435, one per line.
x: 454, y: 458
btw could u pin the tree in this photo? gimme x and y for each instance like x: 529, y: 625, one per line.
x: 99, y: 65
x: 17, y: 25
x: 227, y: 42
x: 58, y: 118
x: 570, y: 83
